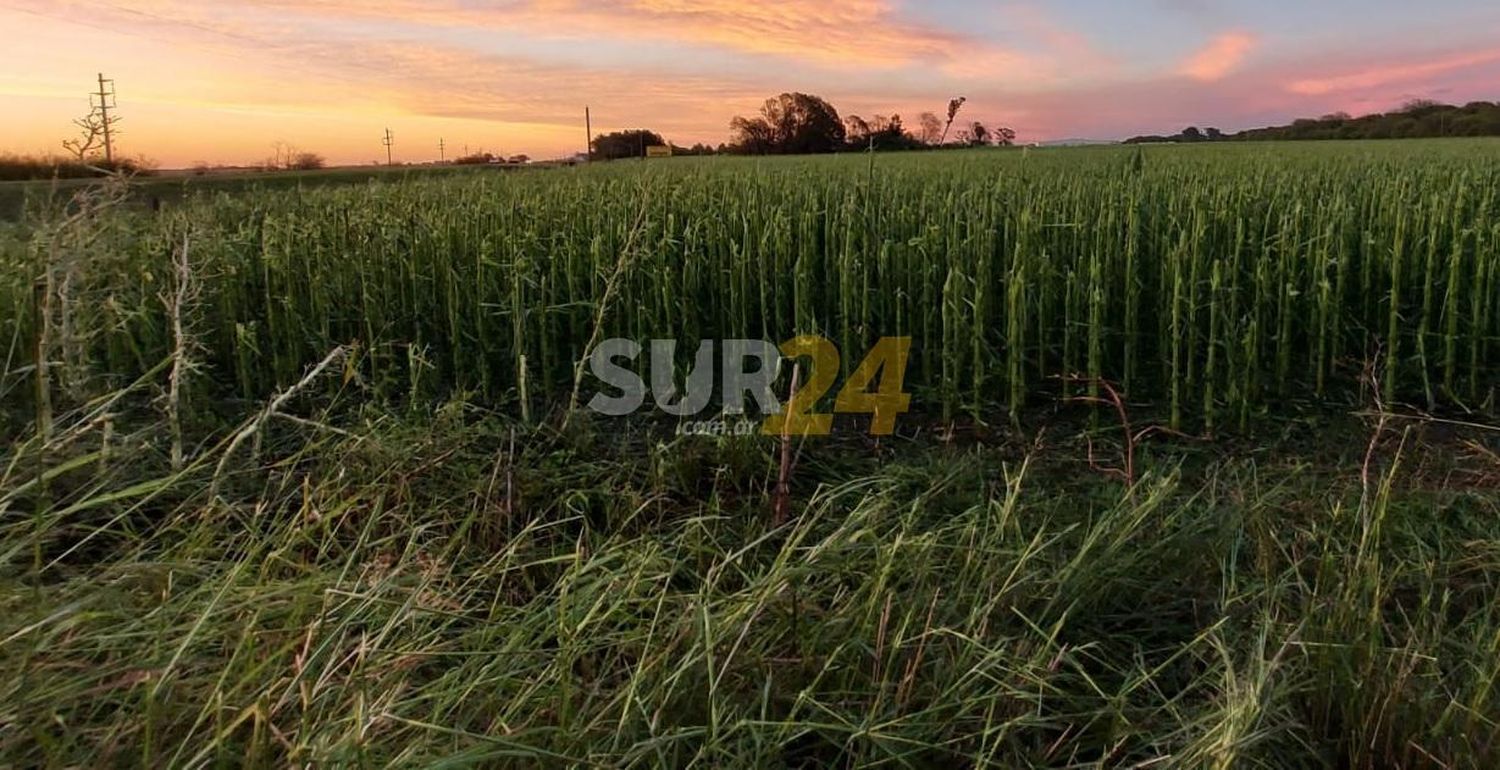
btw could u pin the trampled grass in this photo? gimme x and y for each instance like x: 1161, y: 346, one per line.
x: 444, y: 595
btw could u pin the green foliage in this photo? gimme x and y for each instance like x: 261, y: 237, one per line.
x: 1416, y: 120
x: 1004, y: 268
x: 477, y: 159
x: 880, y: 133
x: 441, y: 591
x: 27, y: 167
x: 626, y: 144
x: 790, y: 124
x: 799, y: 124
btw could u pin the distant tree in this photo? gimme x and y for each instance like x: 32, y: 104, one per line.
x: 1420, y: 105
x: 94, y: 130
x: 286, y: 157
x: 1477, y: 122
x: 90, y: 139
x: 698, y: 148
x: 626, y: 144
x: 1004, y: 137
x: 856, y: 130
x: 24, y: 167
x: 475, y: 159
x: 281, y: 156
x: 752, y: 136
x: 886, y: 133
x: 979, y: 136
x: 792, y: 123
x: 308, y: 161
x: 1419, y: 118
x: 800, y: 123
x: 931, y: 128
x: 1190, y: 134
x: 1306, y: 128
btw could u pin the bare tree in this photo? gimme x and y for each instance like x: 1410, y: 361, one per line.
x: 96, y: 128
x: 282, y: 153
x: 931, y: 128
x: 308, y: 161
x: 90, y: 141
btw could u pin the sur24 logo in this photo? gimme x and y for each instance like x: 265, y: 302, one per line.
x: 749, y: 368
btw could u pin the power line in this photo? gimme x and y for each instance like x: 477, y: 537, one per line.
x: 105, y: 102
x: 442, y: 151
x: 388, y: 141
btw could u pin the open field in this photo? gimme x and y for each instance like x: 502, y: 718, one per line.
x: 1215, y: 282
x: 171, y: 187
x: 290, y: 477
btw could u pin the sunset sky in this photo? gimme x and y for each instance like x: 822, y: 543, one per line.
x: 220, y: 81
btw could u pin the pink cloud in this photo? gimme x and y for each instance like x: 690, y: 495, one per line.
x: 852, y: 33
x: 857, y: 32
x: 1220, y: 57
x: 304, y: 68
x: 1072, y: 47
x: 1390, y: 74
x: 1054, y: 54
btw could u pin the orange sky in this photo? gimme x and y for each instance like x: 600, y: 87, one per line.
x: 222, y: 81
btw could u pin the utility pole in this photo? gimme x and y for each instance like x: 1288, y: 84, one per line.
x: 442, y: 151
x: 387, y: 141
x: 588, y: 129
x: 106, y: 97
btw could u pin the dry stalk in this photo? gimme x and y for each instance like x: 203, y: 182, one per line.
x: 184, y: 295
x: 622, y: 262
x: 273, y: 409
x: 1382, y: 416
x: 782, y: 503
x: 1128, y: 472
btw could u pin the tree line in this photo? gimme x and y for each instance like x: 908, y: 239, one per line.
x: 1414, y: 120
x: 795, y: 123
